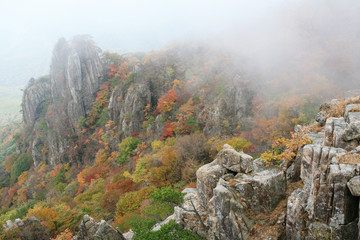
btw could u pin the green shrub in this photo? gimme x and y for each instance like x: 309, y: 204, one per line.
x: 18, y: 212
x: 158, y: 211
x: 82, y: 121
x: 167, y: 195
x: 169, y: 231
x: 126, y: 147
x: 21, y: 164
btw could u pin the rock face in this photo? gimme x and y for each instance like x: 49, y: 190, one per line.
x: 223, y: 112
x: 54, y: 106
x: 126, y: 107
x: 231, y: 192
x: 76, y: 76
x: 327, y: 206
x: 91, y: 230
x: 34, y: 99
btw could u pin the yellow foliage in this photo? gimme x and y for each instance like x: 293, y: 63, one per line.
x: 284, y: 149
x: 46, y: 215
x: 101, y: 156
x: 126, y: 174
x: 238, y: 143
x: 171, y: 141
x: 157, y: 144
x: 22, y: 178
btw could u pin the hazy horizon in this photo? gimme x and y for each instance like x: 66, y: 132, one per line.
x: 31, y: 28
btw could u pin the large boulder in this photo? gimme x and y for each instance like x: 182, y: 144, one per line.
x: 231, y: 191
x: 89, y: 229
x: 354, y: 186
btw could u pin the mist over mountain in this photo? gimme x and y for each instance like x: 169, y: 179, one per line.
x: 180, y: 120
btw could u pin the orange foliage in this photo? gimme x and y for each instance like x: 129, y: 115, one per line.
x: 101, y: 156
x: 169, y: 129
x: 22, y: 195
x: 65, y: 235
x: 166, y: 102
x: 47, y: 216
x: 55, y: 171
x: 284, y: 149
x: 12, y: 191
x: 114, y: 191
x: 23, y: 177
x: 86, y: 175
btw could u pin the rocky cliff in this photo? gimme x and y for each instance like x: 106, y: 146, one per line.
x: 52, y: 107
x: 234, y: 194
x: 239, y: 198
x: 327, y: 206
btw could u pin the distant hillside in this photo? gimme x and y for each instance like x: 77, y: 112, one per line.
x: 10, y: 104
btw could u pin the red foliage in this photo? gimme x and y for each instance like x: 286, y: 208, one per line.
x: 114, y: 191
x: 112, y: 70
x: 115, y: 71
x: 135, y: 134
x: 12, y: 191
x: 166, y: 102
x: 168, y: 129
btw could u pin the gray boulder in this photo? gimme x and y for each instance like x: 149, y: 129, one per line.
x: 354, y: 186
x: 89, y: 229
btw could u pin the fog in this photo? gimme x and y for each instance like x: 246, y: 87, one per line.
x: 29, y: 29
x: 270, y: 39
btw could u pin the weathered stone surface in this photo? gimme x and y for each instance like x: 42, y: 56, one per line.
x: 222, y: 113
x: 207, y: 178
x: 263, y: 190
x: 354, y: 186
x: 224, y: 206
x: 334, y: 132
x: 293, y: 172
x: 235, y: 161
x: 352, y: 130
x: 129, y: 235
x: 33, y: 101
x: 296, y: 214
x: 76, y: 72
x: 324, y: 207
x: 127, y: 104
x: 53, y: 105
x: 321, y: 118
x: 89, y: 229
x: 316, y: 138
x: 351, y: 108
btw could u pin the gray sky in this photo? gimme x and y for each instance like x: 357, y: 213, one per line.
x: 29, y: 29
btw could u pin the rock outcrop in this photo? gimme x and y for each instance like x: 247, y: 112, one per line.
x: 91, y: 230
x: 232, y: 192
x: 76, y: 75
x: 327, y: 206
x: 52, y: 107
x: 239, y: 198
x: 222, y: 114
x: 126, y: 106
x: 34, y: 100
x: 29, y: 229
